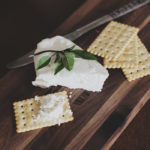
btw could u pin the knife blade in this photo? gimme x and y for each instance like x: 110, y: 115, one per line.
x: 133, y: 5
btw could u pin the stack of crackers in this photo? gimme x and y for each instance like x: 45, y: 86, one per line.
x: 121, y: 47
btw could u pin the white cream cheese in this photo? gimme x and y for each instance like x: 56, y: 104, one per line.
x: 86, y: 74
x: 52, y: 108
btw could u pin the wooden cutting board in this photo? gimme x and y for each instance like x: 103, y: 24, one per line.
x: 104, y: 115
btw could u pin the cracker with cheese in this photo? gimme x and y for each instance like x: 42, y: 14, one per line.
x: 43, y: 111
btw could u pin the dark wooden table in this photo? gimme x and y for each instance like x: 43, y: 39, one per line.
x: 100, y: 118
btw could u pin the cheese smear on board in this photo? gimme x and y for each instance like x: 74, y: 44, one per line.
x: 86, y: 74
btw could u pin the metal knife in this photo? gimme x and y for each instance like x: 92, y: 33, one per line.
x: 134, y: 4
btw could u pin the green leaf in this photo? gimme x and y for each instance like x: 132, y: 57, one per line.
x: 44, y: 61
x: 84, y: 54
x: 71, y: 48
x: 57, y: 58
x: 59, y: 67
x: 68, y: 60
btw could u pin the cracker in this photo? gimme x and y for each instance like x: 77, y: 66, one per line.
x: 128, y: 59
x: 26, y: 110
x: 113, y: 40
x: 143, y: 68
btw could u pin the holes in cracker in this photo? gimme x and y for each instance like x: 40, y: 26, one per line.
x: 22, y: 112
x: 122, y: 41
x: 32, y: 109
x: 118, y: 28
x: 21, y: 106
x: 104, y: 35
x: 105, y: 43
x: 23, y: 118
x: 31, y: 104
x: 145, y: 59
x: 24, y: 124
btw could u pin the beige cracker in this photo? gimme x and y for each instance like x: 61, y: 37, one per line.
x: 26, y: 110
x: 143, y: 68
x: 128, y: 59
x: 113, y: 40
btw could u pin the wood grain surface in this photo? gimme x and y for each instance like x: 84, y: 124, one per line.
x: 100, y: 118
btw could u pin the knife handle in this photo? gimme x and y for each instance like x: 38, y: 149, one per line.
x: 134, y: 4
x: 79, y: 32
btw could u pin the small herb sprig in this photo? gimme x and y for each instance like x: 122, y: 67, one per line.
x: 64, y: 59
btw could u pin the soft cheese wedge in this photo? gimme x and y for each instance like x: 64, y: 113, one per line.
x: 86, y: 74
